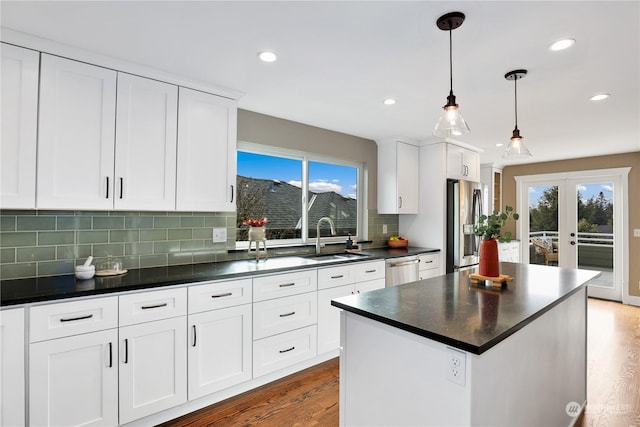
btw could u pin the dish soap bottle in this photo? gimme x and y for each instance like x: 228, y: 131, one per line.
x: 349, y: 242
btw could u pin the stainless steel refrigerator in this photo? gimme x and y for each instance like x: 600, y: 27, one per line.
x: 464, y: 207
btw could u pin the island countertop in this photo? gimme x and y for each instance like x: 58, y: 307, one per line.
x: 472, y: 317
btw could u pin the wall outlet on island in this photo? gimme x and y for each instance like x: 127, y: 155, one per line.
x: 456, y: 366
x: 219, y: 235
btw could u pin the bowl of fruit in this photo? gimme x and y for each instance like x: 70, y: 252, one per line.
x: 398, y: 242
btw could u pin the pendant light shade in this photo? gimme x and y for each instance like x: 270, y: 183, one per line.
x: 451, y: 122
x: 516, y: 148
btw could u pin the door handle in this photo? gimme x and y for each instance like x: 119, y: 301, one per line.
x: 572, y: 242
x: 572, y: 234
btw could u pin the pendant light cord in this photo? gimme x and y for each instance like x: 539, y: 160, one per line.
x: 450, y: 61
x: 515, y: 89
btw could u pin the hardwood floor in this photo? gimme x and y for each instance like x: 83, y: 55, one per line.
x: 613, y: 365
x: 310, y: 397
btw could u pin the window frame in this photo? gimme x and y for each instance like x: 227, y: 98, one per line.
x: 305, y: 158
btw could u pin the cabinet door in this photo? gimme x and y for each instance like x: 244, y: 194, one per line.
x: 12, y: 381
x: 220, y: 347
x: 76, y: 135
x: 329, y: 317
x: 206, y: 152
x: 153, y: 367
x: 19, y: 127
x: 146, y: 132
x: 408, y: 176
x: 370, y: 285
x: 73, y: 381
x: 471, y: 162
x: 455, y: 162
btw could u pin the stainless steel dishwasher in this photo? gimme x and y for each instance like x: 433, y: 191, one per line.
x: 401, y: 270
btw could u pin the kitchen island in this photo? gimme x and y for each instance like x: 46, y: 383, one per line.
x: 446, y: 351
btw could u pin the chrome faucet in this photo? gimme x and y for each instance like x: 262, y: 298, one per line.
x: 333, y: 232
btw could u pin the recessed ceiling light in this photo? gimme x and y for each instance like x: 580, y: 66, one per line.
x: 599, y: 97
x: 562, y: 44
x: 267, y: 56
x: 389, y: 101
x: 499, y: 144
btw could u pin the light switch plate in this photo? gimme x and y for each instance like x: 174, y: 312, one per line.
x: 636, y: 232
x: 219, y: 235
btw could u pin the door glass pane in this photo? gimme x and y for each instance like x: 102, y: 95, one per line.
x: 543, y: 224
x: 595, y: 230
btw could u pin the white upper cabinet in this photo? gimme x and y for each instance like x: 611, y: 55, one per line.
x: 146, y: 132
x: 206, y: 152
x: 462, y: 163
x: 19, y: 127
x: 398, y: 177
x: 76, y: 135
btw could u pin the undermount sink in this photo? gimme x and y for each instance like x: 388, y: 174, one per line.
x: 341, y: 256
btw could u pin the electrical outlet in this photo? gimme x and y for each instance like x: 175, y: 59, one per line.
x: 384, y: 229
x: 456, y: 366
x: 219, y: 235
x: 636, y: 232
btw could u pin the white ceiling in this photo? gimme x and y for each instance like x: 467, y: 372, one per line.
x: 338, y: 61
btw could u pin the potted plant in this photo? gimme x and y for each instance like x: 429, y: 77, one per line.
x: 489, y: 227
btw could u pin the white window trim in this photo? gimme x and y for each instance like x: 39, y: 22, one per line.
x: 269, y: 150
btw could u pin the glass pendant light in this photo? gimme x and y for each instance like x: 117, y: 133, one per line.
x: 516, y: 148
x: 451, y: 123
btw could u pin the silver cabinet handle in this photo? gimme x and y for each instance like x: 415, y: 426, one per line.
x: 288, y: 314
x: 121, y: 186
x: 428, y: 262
x: 287, y: 350
x: 285, y: 285
x: 339, y: 276
x: 147, y: 307
x: 228, y: 294
x: 110, y: 355
x: 126, y: 350
x: 232, y: 193
x: 107, y: 196
x: 194, y: 336
x: 371, y: 271
x: 73, y: 319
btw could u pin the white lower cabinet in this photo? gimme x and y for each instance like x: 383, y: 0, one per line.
x: 220, y: 347
x: 429, y: 265
x: 283, y: 350
x: 152, y: 368
x: 73, y: 381
x: 12, y: 373
x: 367, y: 276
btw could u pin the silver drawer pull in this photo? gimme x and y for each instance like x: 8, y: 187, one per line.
x: 370, y: 271
x: 339, y: 276
x: 147, y: 307
x: 287, y: 350
x: 428, y: 262
x: 286, y: 285
x: 228, y: 294
x: 72, y: 319
x: 288, y: 314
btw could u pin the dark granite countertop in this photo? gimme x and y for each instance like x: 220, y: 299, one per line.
x: 23, y: 291
x: 471, y: 317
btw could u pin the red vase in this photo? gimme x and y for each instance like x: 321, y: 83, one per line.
x: 489, y: 265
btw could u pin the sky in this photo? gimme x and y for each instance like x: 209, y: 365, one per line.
x: 586, y: 190
x: 323, y: 177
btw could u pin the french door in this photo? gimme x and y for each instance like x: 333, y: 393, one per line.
x: 577, y: 220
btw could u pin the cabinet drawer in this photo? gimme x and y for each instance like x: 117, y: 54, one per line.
x: 280, y: 351
x: 71, y: 318
x: 429, y: 261
x: 370, y: 285
x: 369, y: 270
x: 426, y: 274
x: 335, y: 276
x: 284, y: 314
x: 281, y: 285
x: 153, y: 305
x: 216, y: 295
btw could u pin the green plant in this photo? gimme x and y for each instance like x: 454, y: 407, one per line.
x: 490, y: 227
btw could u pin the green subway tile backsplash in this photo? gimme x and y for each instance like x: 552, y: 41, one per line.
x: 44, y: 243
